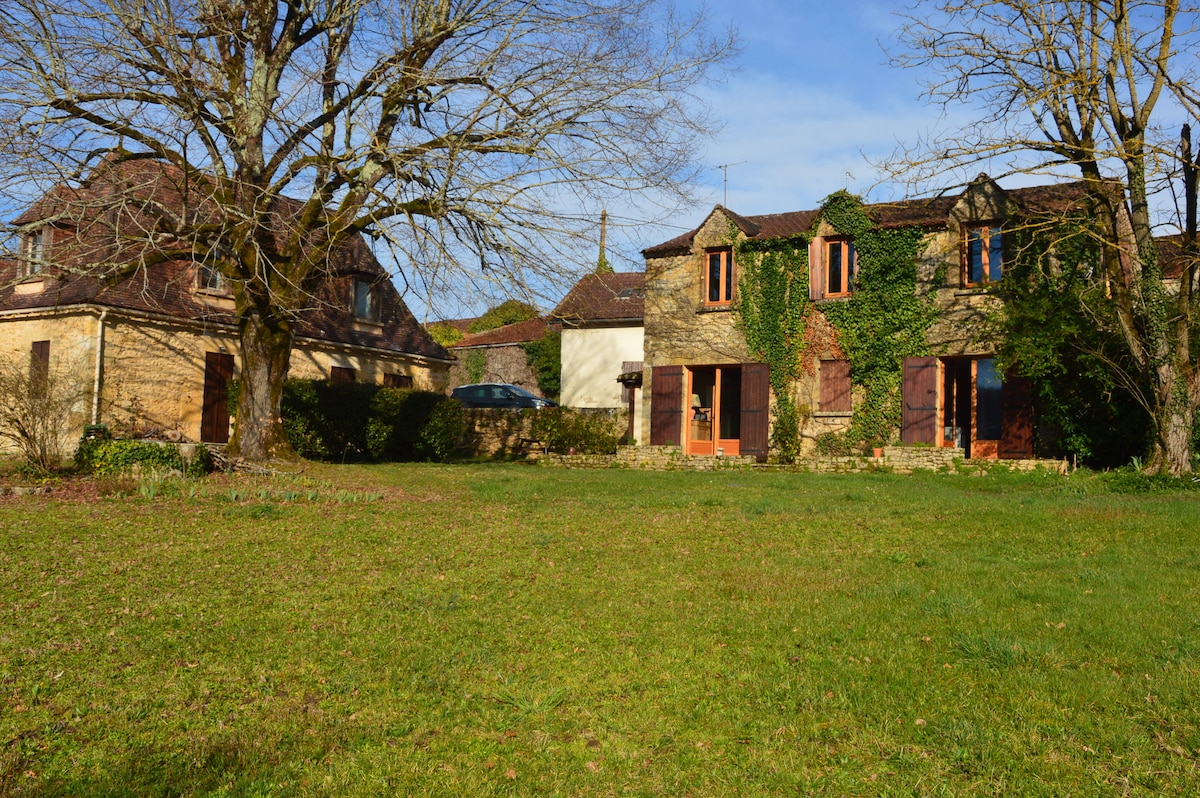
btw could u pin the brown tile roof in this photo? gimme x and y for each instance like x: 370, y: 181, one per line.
x: 614, y: 296
x: 930, y: 212
x: 167, y: 287
x: 520, y: 332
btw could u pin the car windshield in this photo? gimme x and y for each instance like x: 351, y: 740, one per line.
x: 522, y: 392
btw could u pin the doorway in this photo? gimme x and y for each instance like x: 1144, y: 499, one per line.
x: 214, y: 414
x: 714, y: 414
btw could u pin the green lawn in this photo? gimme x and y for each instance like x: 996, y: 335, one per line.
x: 507, y: 630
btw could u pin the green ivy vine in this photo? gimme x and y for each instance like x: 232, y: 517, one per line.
x: 773, y: 313
x: 883, y: 322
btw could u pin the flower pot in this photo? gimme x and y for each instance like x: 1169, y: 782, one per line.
x: 877, y: 452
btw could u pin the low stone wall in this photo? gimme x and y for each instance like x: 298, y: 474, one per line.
x: 649, y: 458
x: 895, y: 459
x: 497, y: 433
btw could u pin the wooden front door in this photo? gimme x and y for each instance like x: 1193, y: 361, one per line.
x: 214, y: 416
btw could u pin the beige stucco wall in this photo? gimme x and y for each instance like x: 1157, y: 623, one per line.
x: 153, y: 369
x: 591, y: 363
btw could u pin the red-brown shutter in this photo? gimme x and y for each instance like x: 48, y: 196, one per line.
x: 835, y: 385
x: 39, y: 363
x: 919, y: 418
x: 1016, y: 431
x: 214, y: 413
x: 756, y: 403
x: 666, y: 406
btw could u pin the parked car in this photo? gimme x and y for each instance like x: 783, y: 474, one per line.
x: 496, y: 394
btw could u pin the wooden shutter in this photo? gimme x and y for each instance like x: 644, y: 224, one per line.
x: 756, y: 402
x: 666, y: 406
x: 341, y: 374
x: 1016, y: 431
x: 816, y: 268
x: 214, y: 414
x: 39, y: 364
x: 835, y: 385
x: 919, y: 418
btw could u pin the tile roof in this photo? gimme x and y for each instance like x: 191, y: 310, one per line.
x: 166, y: 287
x: 604, y: 297
x: 931, y: 212
x: 521, y: 332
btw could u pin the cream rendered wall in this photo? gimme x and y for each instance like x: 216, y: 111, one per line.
x: 591, y: 363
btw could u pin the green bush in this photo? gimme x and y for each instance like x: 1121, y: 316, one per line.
x: 560, y: 429
x: 364, y: 422
x: 109, y: 457
x: 442, y: 432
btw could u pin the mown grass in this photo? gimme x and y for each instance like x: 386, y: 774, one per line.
x: 504, y: 630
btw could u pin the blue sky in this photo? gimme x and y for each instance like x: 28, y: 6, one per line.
x: 812, y: 102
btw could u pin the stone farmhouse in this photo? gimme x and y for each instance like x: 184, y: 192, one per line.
x: 156, y: 340
x: 710, y: 393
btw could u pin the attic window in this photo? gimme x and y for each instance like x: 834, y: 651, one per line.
x: 33, y: 249
x: 629, y: 293
x: 718, y: 277
x: 840, y: 265
x: 209, y: 278
x: 366, y: 301
x: 983, y: 255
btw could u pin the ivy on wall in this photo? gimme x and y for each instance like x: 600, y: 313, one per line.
x: 884, y: 321
x: 773, y: 314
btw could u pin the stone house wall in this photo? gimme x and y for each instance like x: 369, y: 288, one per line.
x: 152, y: 371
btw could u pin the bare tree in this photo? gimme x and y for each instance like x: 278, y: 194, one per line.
x: 1098, y: 88
x: 37, y: 399
x: 455, y: 132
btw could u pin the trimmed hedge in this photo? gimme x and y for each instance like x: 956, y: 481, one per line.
x: 359, y: 422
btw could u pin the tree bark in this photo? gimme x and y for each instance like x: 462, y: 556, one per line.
x: 266, y: 343
x: 1173, y: 425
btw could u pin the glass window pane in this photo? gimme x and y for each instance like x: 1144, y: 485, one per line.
x: 974, y: 256
x: 731, y: 403
x: 988, y: 403
x: 714, y: 277
x: 834, y: 285
x: 995, y: 255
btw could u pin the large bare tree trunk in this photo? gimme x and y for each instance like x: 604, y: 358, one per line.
x: 266, y: 341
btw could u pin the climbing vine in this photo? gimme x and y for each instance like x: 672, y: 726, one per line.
x: 773, y: 313
x: 884, y: 321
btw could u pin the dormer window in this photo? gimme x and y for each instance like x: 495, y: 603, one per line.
x: 983, y: 255
x: 33, y: 249
x: 367, y: 305
x: 209, y: 278
x: 718, y: 277
x: 834, y: 268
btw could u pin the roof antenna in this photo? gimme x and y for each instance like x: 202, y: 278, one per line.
x: 724, y: 167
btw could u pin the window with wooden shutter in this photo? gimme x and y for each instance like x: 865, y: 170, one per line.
x: 835, y: 386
